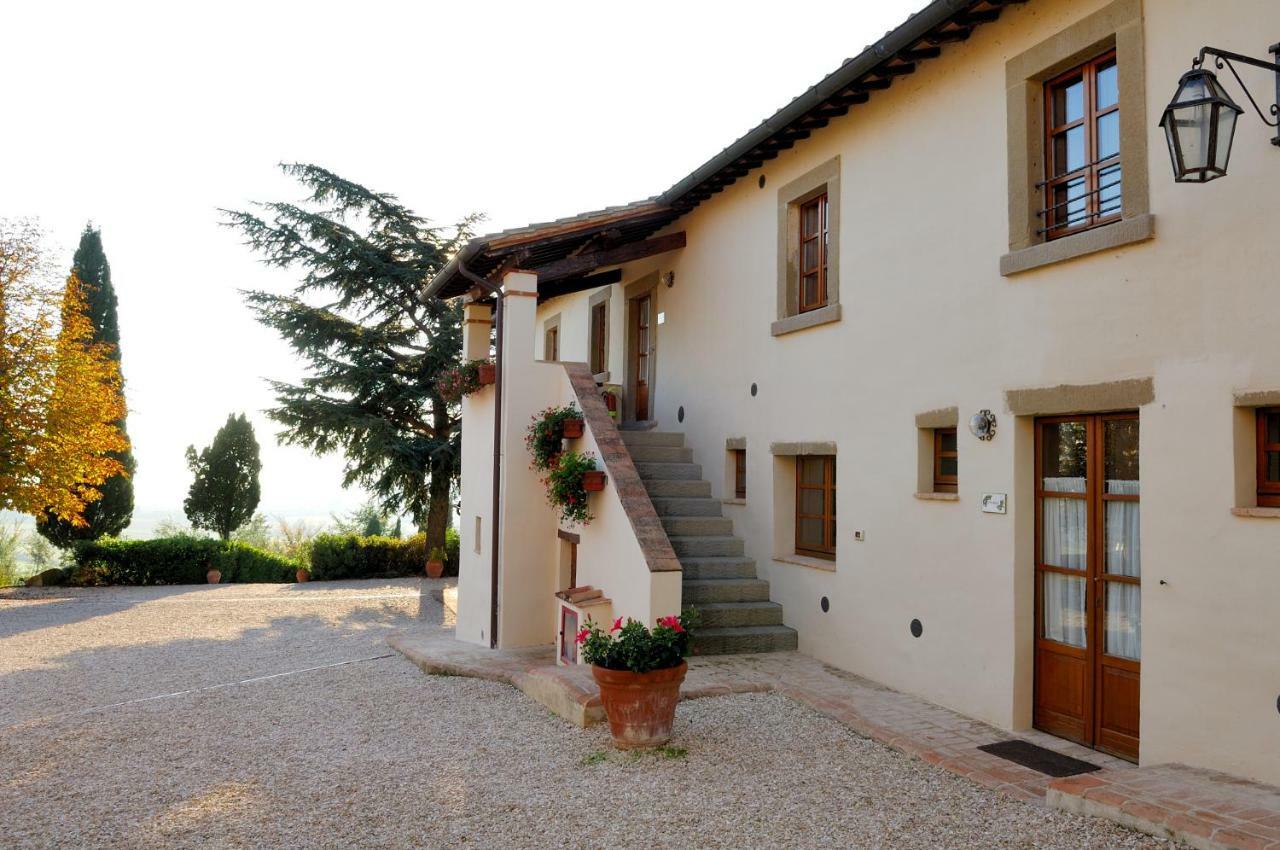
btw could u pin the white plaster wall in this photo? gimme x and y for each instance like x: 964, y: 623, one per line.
x: 928, y: 322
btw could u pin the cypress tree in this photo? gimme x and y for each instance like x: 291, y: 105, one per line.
x: 112, y: 513
x: 225, y: 492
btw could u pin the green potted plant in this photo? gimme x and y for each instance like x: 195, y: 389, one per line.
x: 567, y: 486
x: 545, y: 432
x: 435, y: 563
x: 639, y: 671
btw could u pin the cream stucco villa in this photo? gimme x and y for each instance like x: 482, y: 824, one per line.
x: 957, y: 283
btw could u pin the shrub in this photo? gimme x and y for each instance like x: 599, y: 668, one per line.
x: 174, y: 560
x: 347, y: 556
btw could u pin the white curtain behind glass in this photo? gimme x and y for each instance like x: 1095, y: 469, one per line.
x: 1064, y: 543
x: 1124, y: 557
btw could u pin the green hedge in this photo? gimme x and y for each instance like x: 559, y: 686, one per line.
x: 343, y: 556
x: 175, y: 560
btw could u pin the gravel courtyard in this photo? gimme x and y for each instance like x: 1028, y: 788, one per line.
x: 276, y: 716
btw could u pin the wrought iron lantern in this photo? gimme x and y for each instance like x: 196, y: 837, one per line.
x: 1200, y: 122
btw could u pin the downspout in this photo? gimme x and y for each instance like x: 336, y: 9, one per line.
x: 496, y: 292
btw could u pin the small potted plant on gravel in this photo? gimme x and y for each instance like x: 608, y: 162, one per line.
x: 303, y: 575
x: 435, y: 563
x: 567, y: 486
x: 639, y: 672
x: 545, y: 432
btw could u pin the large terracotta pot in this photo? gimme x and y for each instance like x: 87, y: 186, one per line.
x: 213, y: 576
x: 641, y: 707
x: 435, y: 569
x: 571, y: 428
x: 488, y: 373
x: 302, y: 575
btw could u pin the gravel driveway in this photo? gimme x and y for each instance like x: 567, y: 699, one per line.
x: 275, y: 716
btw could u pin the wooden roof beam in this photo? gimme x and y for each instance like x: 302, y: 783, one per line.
x: 949, y: 36
x: 918, y: 53
x: 571, y: 266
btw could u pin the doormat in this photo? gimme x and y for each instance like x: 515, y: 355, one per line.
x: 1038, y: 758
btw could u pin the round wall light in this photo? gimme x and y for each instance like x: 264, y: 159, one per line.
x: 983, y: 425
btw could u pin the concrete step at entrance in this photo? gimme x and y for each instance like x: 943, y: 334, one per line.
x: 707, y: 547
x: 651, y: 438
x: 660, y: 454
x: 740, y: 639
x: 677, y: 489
x: 726, y: 590
x: 667, y: 506
x: 719, y: 615
x: 697, y: 526
x: 716, y: 568
x: 669, y: 471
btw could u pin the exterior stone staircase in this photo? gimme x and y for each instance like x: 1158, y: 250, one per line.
x: 719, y: 580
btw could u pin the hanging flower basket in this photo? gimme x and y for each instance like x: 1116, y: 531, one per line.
x: 466, y: 378
x: 594, y: 481
x: 544, y: 435
x: 487, y: 372
x: 572, y: 428
x: 639, y: 672
x: 566, y: 486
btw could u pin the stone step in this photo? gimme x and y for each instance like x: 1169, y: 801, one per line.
x: 666, y: 506
x: 740, y: 639
x: 651, y: 438
x: 725, y: 590
x: 660, y: 454
x: 707, y: 547
x: 671, y: 488
x: 669, y: 471
x: 719, y: 615
x: 715, y: 568
x: 697, y: 526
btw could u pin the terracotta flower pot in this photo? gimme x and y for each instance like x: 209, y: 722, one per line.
x: 641, y: 707
x: 572, y: 428
x: 488, y: 373
x: 593, y: 481
x: 213, y: 576
x: 435, y: 569
x: 303, y: 575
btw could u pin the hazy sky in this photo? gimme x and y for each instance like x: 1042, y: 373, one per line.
x: 146, y: 118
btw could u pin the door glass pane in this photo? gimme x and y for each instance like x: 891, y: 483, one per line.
x: 1124, y: 546
x: 1108, y: 88
x: 811, y: 502
x: 1062, y: 606
x: 1062, y: 457
x: 1120, y: 456
x: 1109, y: 135
x: 1064, y: 533
x: 809, y: 533
x: 1068, y: 103
x: 812, y: 470
x: 1124, y: 621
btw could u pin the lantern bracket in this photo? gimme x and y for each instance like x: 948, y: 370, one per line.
x: 1227, y: 57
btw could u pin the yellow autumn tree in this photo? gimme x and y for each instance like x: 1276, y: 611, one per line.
x: 60, y: 394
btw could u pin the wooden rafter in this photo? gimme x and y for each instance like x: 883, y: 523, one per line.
x: 570, y: 266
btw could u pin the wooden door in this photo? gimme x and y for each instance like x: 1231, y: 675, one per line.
x: 643, y: 354
x: 1088, y: 580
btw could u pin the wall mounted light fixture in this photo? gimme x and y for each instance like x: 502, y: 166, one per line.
x: 669, y: 278
x: 983, y: 425
x: 1200, y: 122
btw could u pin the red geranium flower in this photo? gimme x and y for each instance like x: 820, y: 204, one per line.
x: 671, y: 622
x: 617, y: 624
x: 582, y: 636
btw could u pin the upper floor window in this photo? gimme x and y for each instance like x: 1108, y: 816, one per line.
x: 1082, y: 148
x: 551, y: 344
x: 739, y: 473
x: 813, y: 253
x: 1269, y: 457
x: 599, y: 337
x: 946, y: 473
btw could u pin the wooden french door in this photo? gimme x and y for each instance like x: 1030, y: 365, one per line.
x: 1088, y: 580
x: 643, y: 352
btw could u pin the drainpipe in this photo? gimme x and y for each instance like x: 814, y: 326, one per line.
x: 496, y: 292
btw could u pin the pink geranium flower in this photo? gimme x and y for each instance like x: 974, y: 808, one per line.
x: 617, y: 624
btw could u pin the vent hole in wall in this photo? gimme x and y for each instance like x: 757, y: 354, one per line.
x: 761, y: 181
x: 825, y: 604
x: 754, y: 390
x: 917, y: 628
x: 680, y: 414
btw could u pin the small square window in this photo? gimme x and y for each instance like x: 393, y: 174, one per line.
x: 1269, y: 457
x: 816, y: 506
x: 739, y: 473
x: 946, y: 460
